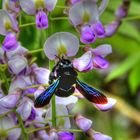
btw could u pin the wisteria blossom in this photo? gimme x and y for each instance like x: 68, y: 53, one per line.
x: 7, y: 23
x: 84, y: 16
x: 26, y: 76
x: 93, y: 58
x: 40, y: 9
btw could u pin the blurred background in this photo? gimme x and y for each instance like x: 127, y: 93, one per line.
x: 121, y: 80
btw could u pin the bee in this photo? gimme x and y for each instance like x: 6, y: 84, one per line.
x: 63, y: 80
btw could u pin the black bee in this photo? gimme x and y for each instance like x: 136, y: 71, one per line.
x: 65, y: 83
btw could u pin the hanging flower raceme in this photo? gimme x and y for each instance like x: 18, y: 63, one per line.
x: 84, y: 16
x: 40, y: 9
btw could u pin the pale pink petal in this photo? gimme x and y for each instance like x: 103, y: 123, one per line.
x: 108, y: 106
x: 83, y: 63
x: 102, y: 50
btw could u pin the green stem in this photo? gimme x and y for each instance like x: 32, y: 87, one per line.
x: 58, y: 18
x: 53, y: 111
x: 131, y: 18
x: 36, y: 51
x: 63, y: 7
x: 38, y: 129
x: 27, y: 24
x: 25, y: 134
x: 3, y: 76
x: 71, y: 130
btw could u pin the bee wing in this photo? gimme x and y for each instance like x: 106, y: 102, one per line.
x: 92, y: 94
x: 44, y: 98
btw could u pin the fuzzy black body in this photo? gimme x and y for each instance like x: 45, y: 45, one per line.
x: 63, y: 81
x: 67, y: 77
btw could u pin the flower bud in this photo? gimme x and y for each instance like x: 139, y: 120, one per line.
x: 83, y: 123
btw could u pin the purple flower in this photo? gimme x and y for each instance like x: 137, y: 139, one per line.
x: 18, y: 65
x: 8, y: 102
x: 26, y: 109
x: 87, y: 35
x: 10, y: 42
x: 74, y: 1
x: 20, y: 82
x: 84, y: 16
x: 40, y: 9
x: 12, y: 7
x: 60, y: 44
x: 6, y: 123
x: 98, y: 29
x: 93, y: 58
x: 100, y: 136
x: 65, y: 136
x: 83, y: 123
x: 7, y: 23
x: 14, y: 51
x: 41, y: 75
x: 43, y: 135
x: 111, y: 28
x: 41, y: 20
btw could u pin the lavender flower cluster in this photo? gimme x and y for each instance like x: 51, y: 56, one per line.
x: 18, y: 116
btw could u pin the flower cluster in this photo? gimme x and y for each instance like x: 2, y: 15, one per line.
x: 24, y: 80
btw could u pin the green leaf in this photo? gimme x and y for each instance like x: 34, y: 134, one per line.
x: 124, y: 67
x: 134, y: 80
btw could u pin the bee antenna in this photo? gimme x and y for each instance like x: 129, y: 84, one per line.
x: 58, y: 57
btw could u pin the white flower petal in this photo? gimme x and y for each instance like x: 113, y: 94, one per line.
x: 61, y: 122
x: 50, y: 4
x: 17, y: 64
x: 107, y: 106
x: 28, y: 6
x: 62, y: 43
x: 25, y: 108
x: 85, y: 12
x: 67, y: 100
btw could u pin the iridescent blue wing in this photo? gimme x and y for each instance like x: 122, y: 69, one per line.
x: 92, y: 94
x: 44, y: 98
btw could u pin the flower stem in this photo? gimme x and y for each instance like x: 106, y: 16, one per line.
x: 36, y: 51
x: 58, y: 18
x: 71, y: 130
x: 131, y: 18
x: 27, y: 24
x: 22, y: 126
x: 53, y: 111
